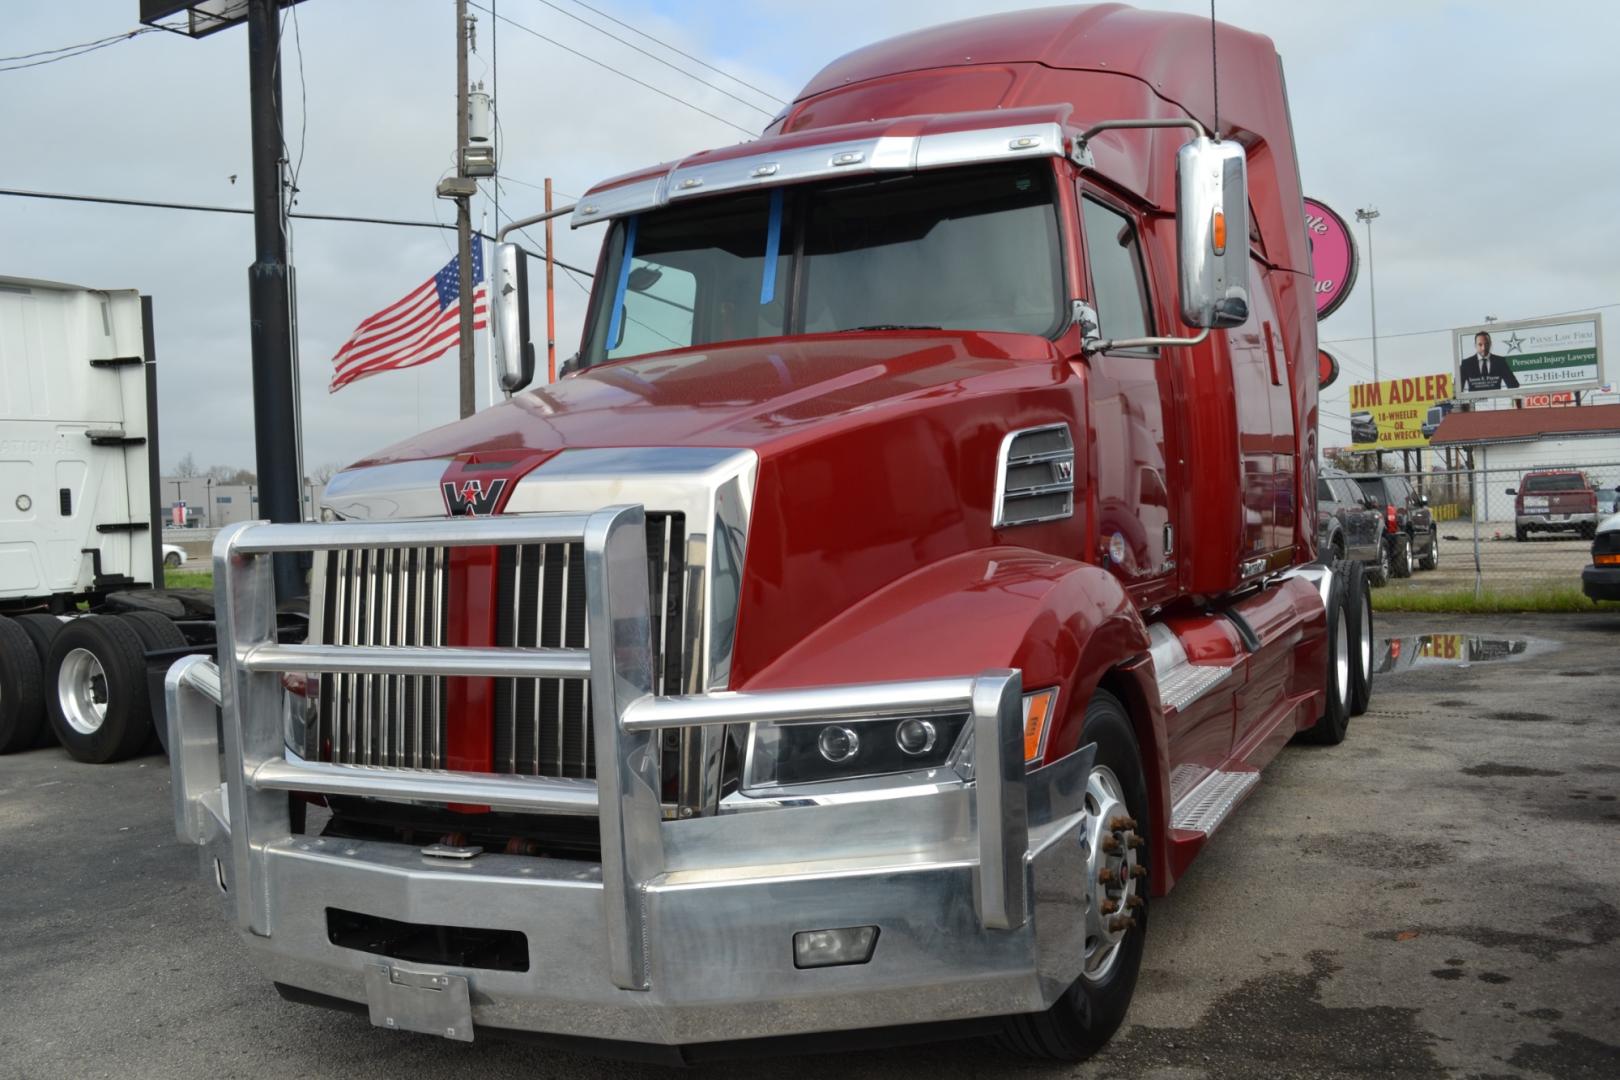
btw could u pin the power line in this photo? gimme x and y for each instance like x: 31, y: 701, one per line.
x: 616, y: 71
x: 659, y: 59
x: 696, y: 60
x: 1449, y: 329
x: 68, y: 52
x: 153, y: 204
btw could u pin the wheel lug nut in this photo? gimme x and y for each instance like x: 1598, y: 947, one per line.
x: 1121, y: 822
x: 1107, y: 907
x: 1133, y: 841
x: 1123, y: 922
x: 1110, y: 844
x: 1133, y: 902
x: 1139, y: 871
x: 1107, y: 875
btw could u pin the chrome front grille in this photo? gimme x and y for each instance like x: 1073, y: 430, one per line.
x: 383, y: 596
x: 541, y: 727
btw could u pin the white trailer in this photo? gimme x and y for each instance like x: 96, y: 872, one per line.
x: 80, y: 533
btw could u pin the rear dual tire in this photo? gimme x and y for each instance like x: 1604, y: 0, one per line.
x: 21, y: 689
x: 96, y: 697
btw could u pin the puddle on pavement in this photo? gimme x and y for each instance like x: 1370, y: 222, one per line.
x: 1455, y: 650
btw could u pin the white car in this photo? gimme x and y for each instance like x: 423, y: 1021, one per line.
x: 174, y: 556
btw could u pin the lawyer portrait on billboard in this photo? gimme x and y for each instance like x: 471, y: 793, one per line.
x: 1484, y: 371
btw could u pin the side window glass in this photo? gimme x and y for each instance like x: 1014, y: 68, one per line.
x: 1116, y: 272
x: 1324, y: 493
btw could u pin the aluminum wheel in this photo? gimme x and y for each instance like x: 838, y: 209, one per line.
x: 81, y: 687
x: 1341, y: 656
x: 1364, y: 640
x: 1111, y: 879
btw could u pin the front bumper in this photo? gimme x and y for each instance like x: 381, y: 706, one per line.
x: 683, y: 932
x: 1601, y: 582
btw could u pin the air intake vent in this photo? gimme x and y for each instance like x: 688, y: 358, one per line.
x: 1035, y: 476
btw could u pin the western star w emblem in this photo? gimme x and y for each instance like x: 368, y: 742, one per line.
x: 469, y: 498
x: 1064, y: 468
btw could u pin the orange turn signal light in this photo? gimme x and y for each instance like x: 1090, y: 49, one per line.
x: 1038, y: 710
x: 1599, y: 560
x: 1218, y: 232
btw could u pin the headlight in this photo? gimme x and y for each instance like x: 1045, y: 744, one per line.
x: 782, y: 755
x: 787, y: 755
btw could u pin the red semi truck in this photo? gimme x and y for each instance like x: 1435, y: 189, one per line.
x: 911, y: 572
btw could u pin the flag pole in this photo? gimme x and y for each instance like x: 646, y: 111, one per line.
x: 551, y: 298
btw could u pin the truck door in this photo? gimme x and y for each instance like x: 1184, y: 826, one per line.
x: 1265, y: 415
x: 1135, y: 520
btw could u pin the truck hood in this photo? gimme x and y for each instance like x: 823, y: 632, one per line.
x: 750, y: 394
x: 877, y: 453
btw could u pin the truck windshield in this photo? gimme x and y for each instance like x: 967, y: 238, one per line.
x: 965, y: 249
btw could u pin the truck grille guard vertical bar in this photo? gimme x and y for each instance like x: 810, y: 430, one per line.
x: 259, y: 769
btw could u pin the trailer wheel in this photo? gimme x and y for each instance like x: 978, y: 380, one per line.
x: 1338, y: 679
x: 21, y: 695
x: 156, y: 632
x: 96, y: 690
x: 1081, y: 1021
x: 1358, y: 595
x: 41, y: 630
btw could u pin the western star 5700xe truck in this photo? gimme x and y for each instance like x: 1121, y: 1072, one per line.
x: 911, y: 572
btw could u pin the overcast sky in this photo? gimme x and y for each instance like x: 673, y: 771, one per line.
x: 1479, y: 130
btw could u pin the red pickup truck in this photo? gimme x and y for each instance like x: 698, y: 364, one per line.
x: 1554, y: 500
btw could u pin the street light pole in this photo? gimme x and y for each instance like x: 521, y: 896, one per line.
x: 1367, y: 215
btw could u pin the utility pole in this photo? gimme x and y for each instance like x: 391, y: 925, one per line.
x: 464, y: 215
x: 551, y: 298
x: 1367, y: 215
x: 275, y: 405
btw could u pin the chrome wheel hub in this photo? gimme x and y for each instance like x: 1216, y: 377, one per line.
x: 1114, y: 877
x: 81, y: 688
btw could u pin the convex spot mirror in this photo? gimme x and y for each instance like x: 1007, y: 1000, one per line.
x: 1212, y: 233
x: 514, y: 352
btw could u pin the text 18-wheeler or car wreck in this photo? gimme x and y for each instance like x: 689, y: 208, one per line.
x: 890, y: 600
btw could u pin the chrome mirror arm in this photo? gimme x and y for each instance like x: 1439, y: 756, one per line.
x: 1083, y: 315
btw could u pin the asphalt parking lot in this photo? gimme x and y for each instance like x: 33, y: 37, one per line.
x: 1438, y: 897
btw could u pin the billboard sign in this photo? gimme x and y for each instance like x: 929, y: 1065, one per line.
x: 1506, y: 359
x: 1395, y: 414
x: 1333, y: 256
x: 178, y: 513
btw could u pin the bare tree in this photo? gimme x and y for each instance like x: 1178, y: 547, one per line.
x: 323, y: 473
x: 186, y: 467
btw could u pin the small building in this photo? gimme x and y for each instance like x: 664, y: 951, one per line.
x: 1506, y: 443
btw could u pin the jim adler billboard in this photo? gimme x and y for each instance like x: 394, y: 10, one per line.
x: 1505, y: 359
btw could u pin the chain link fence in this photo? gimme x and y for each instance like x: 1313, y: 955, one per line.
x: 1510, y: 530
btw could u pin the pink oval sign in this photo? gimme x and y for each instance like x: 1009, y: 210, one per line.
x: 1333, y: 256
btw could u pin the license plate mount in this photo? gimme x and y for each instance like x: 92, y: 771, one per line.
x: 419, y: 999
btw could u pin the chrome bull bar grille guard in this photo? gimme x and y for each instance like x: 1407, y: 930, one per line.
x: 248, y: 802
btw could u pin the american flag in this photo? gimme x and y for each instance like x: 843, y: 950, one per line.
x: 414, y: 330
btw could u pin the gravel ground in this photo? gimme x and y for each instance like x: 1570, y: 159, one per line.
x: 1435, y: 898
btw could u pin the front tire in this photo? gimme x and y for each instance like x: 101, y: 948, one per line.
x: 172, y: 561
x: 1081, y: 1021
x: 1379, y: 575
x: 1358, y: 594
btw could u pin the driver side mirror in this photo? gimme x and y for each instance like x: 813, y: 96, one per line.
x: 1212, y: 233
x: 509, y: 291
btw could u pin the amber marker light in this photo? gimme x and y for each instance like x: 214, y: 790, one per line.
x: 1219, y: 232
x: 1038, y: 709
x: 1598, y: 560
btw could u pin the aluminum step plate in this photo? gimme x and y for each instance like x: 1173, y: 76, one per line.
x: 1186, y: 683
x: 1208, y: 804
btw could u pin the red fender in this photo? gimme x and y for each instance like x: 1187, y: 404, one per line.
x: 1060, y: 622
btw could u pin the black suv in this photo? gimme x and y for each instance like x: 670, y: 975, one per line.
x: 1409, y: 528
x: 1349, y: 525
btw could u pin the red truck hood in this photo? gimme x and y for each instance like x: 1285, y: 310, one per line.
x: 877, y: 452
x: 749, y: 394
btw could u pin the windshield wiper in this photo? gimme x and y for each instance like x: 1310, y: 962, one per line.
x: 887, y: 326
